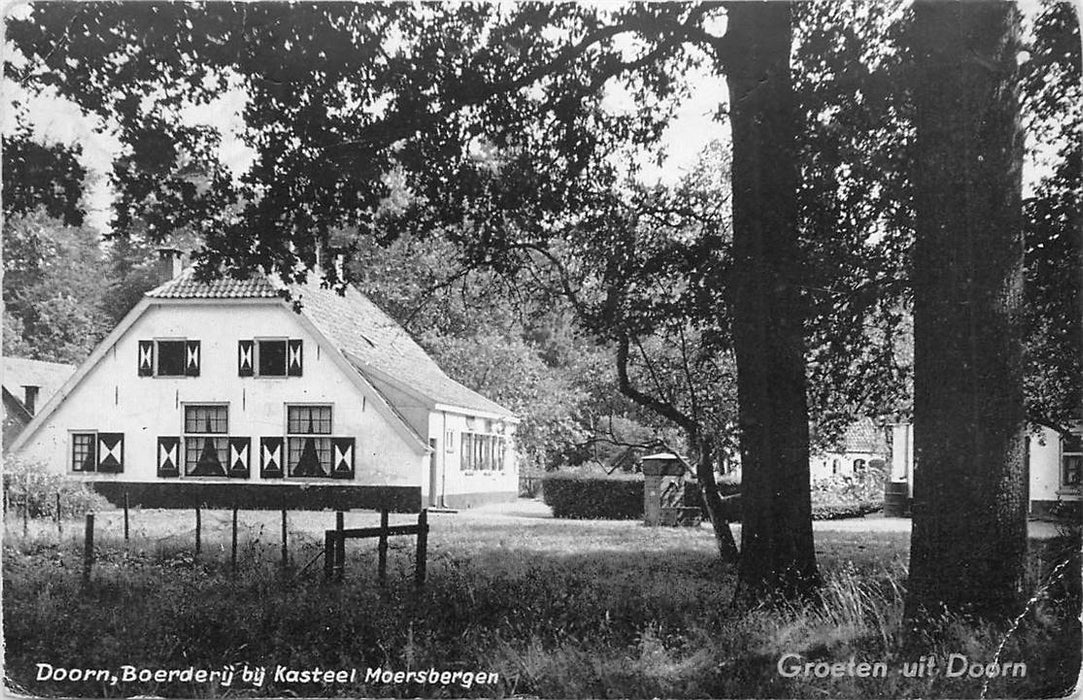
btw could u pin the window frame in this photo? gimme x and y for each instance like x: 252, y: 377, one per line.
x: 73, y: 434
x: 1071, y: 451
x: 323, y: 444
x: 484, y: 452
x: 183, y: 342
x: 221, y: 441
x: 257, y: 356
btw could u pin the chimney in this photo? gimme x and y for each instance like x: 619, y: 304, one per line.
x: 169, y: 264
x: 30, y: 398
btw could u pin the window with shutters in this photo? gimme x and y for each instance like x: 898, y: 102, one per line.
x: 308, y: 440
x: 206, y: 444
x: 270, y: 357
x: 169, y: 358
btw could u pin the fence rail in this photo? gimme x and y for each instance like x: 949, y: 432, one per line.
x: 225, y: 531
x: 334, y: 548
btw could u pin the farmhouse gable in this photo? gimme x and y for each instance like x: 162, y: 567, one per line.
x: 208, y: 387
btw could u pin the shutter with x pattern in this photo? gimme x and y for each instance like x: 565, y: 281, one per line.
x: 168, y: 456
x: 239, y: 449
x: 294, y: 358
x: 342, y: 453
x: 191, y: 358
x: 270, y: 458
x: 111, y: 452
x: 146, y: 358
x: 245, y: 357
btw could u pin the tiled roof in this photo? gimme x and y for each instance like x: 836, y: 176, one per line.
x: 375, y: 341
x: 864, y: 436
x: 354, y: 325
x: 186, y: 286
x: 20, y: 372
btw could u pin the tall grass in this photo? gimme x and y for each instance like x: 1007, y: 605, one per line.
x: 626, y: 613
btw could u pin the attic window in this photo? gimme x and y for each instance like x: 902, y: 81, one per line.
x: 169, y: 358
x: 270, y: 357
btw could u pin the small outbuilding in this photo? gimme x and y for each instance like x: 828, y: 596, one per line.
x: 663, y: 491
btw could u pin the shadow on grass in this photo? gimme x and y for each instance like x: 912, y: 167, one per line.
x: 560, y: 611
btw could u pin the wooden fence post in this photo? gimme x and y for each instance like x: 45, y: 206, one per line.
x: 88, y: 548
x: 422, y: 547
x: 199, y: 530
x: 59, y: 520
x: 126, y: 515
x: 233, y: 548
x: 285, y: 548
x: 340, y: 546
x: 381, y: 549
x: 328, y: 555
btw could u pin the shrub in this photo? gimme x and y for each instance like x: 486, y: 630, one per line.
x: 592, y: 495
x: 841, y: 496
x: 833, y: 498
x: 33, y: 484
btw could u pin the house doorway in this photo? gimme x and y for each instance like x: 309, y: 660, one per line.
x: 434, y: 474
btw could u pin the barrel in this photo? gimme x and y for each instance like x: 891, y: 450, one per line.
x: 896, y: 499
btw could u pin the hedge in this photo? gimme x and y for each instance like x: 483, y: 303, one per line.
x: 593, y: 497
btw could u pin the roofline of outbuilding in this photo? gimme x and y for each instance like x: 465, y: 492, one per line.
x: 429, y: 402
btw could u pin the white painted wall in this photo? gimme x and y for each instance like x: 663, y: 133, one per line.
x: 451, y: 479
x: 821, y: 466
x: 1043, y: 465
x: 456, y: 481
x: 113, y: 398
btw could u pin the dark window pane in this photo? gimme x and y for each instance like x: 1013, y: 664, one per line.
x: 1073, y: 443
x: 83, y: 452
x: 1073, y: 466
x: 170, y: 358
x: 467, y: 452
x: 272, y: 358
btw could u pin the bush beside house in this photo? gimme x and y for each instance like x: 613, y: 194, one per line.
x: 32, y: 486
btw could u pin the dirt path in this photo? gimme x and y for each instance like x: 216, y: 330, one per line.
x: 534, y: 509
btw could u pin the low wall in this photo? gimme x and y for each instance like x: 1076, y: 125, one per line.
x: 399, y: 499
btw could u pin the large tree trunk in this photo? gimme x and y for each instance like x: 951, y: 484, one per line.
x: 777, y: 553
x: 970, y: 492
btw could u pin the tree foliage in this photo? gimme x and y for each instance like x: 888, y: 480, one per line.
x: 37, y: 175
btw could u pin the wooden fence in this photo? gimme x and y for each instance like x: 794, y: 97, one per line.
x: 333, y: 551
x: 334, y: 548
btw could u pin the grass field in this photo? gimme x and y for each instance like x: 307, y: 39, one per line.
x: 554, y: 608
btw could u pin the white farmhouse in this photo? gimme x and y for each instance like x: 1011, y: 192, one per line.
x: 221, y: 393
x: 1054, y: 465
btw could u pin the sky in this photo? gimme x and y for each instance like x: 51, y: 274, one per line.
x: 54, y: 119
